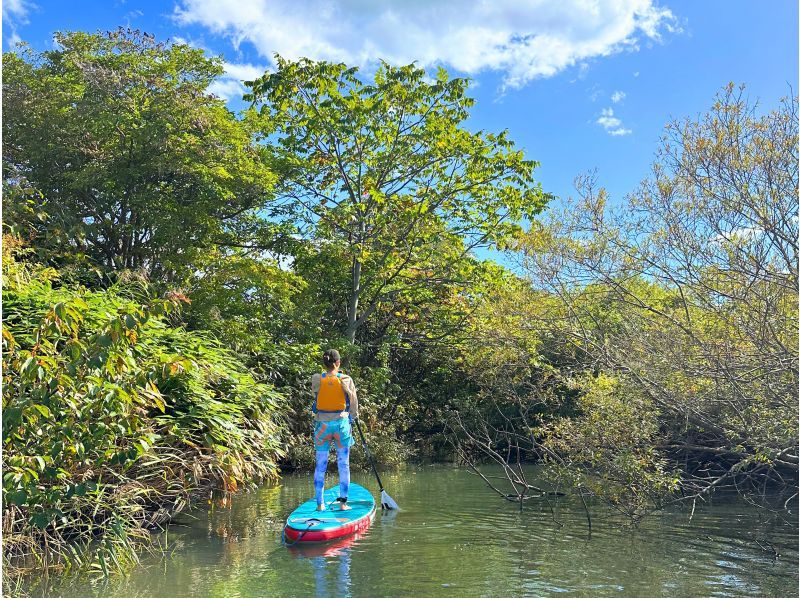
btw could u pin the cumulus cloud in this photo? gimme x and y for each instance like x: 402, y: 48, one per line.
x: 611, y: 123
x: 523, y: 39
x: 617, y: 96
x: 15, y: 13
x: 229, y: 86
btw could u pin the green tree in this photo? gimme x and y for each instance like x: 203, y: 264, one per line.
x: 387, y: 172
x: 114, y: 150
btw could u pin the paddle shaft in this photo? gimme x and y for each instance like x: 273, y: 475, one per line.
x: 369, y: 455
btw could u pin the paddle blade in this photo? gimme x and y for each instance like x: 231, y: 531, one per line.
x: 387, y: 502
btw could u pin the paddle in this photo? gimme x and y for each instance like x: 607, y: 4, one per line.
x: 387, y: 502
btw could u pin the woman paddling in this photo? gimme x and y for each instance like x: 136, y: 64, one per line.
x: 335, y: 405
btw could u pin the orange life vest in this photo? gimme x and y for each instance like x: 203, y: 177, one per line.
x: 332, y: 397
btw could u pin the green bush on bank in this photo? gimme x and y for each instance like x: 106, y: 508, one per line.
x: 114, y: 419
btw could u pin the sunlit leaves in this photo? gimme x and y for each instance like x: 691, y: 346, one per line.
x: 386, y: 170
x: 101, y: 397
x: 142, y: 168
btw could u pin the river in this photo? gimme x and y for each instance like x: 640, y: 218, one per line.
x: 454, y: 536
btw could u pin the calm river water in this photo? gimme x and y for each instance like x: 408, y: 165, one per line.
x: 455, y: 537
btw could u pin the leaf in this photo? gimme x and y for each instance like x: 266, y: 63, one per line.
x: 11, y: 417
x: 17, y: 497
x: 41, y: 520
x: 60, y: 311
x: 9, y: 338
x: 43, y: 410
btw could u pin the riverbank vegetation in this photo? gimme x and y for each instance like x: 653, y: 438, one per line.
x: 665, y: 326
x: 172, y: 272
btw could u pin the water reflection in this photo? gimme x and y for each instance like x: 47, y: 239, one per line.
x: 453, y: 534
x: 326, y: 560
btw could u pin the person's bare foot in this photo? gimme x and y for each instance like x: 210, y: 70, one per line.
x: 320, y: 507
x: 344, y: 507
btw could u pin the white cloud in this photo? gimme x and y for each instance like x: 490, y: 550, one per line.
x: 583, y: 70
x: 16, y: 9
x: 617, y: 96
x: 244, y: 72
x: 15, y: 13
x: 229, y: 86
x: 13, y: 38
x: 611, y: 123
x: 226, y: 89
x: 607, y: 119
x: 523, y: 39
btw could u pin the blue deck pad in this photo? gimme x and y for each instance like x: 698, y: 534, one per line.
x: 360, y: 501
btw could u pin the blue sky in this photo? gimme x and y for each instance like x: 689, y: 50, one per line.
x: 580, y: 84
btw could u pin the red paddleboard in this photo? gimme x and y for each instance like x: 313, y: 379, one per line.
x: 306, y: 524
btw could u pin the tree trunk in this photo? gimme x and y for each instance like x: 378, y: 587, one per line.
x: 352, y: 306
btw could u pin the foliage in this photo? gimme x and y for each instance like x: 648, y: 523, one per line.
x: 686, y: 295
x: 246, y: 301
x: 142, y: 168
x: 386, y: 172
x: 609, y: 446
x: 172, y: 273
x: 113, y: 419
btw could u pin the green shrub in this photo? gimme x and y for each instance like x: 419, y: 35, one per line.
x: 114, y: 418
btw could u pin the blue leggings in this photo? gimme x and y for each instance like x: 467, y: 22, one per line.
x: 343, y: 462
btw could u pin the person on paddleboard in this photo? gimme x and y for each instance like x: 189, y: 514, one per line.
x: 335, y: 406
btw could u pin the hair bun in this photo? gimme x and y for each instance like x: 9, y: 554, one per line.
x: 330, y: 357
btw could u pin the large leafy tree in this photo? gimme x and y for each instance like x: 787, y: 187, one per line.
x: 114, y: 151
x: 387, y: 172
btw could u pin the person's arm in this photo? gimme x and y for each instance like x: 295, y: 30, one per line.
x: 314, y: 386
x: 351, y: 392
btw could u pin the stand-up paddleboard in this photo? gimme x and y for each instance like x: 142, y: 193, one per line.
x: 306, y: 524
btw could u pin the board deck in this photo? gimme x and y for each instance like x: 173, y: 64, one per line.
x: 306, y: 524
